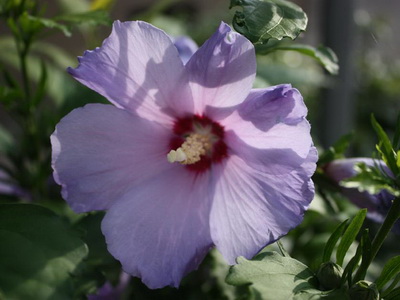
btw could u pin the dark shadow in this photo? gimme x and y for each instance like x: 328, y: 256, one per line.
x: 268, y: 107
x: 258, y: 157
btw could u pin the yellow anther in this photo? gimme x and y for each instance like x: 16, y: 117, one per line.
x: 176, y: 155
x: 191, y: 150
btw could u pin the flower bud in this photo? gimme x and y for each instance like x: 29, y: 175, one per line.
x: 378, y: 204
x: 364, y: 290
x: 329, y: 275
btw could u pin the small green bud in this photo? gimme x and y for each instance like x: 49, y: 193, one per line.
x: 329, y: 275
x: 364, y: 290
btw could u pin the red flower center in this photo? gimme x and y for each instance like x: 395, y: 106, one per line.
x: 216, y: 149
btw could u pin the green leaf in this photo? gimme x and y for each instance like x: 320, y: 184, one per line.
x: 392, y: 286
x: 324, y: 55
x: 218, y: 270
x: 58, y: 82
x: 99, y: 264
x: 333, y: 239
x: 91, y: 226
x: 385, y: 147
x: 32, y: 23
x: 272, y: 274
x: 101, y: 4
x: 398, y: 159
x: 366, y: 249
x: 94, y: 17
x: 350, y: 235
x: 390, y: 270
x: 39, y: 253
x: 393, y: 295
x: 396, y: 137
x: 261, y: 20
x: 13, y: 27
x: 353, y: 262
x: 337, y: 150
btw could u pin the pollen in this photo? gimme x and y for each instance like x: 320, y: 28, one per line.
x: 190, y: 152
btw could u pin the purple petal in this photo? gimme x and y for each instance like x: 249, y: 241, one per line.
x: 160, y: 229
x: 222, y: 71
x: 271, y: 119
x: 252, y: 209
x: 137, y: 68
x: 278, y: 104
x: 100, y: 151
x: 265, y: 185
x: 186, y: 47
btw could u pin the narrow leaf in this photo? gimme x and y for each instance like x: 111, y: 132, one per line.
x: 324, y: 55
x: 41, y: 87
x: 391, y: 269
x: 261, y: 20
x: 48, y: 23
x: 350, y: 235
x: 94, y: 17
x: 393, y: 295
x: 385, y: 146
x: 396, y: 137
x: 101, y: 4
x: 333, y: 239
x: 392, y: 286
x: 366, y: 249
x: 348, y: 271
x: 398, y: 159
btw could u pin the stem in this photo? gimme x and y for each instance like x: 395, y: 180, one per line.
x: 391, y: 218
x: 24, y: 71
x: 22, y: 43
x: 30, y: 165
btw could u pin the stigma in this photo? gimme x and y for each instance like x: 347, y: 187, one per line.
x: 190, y: 152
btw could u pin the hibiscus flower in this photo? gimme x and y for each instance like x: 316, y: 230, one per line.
x: 188, y: 157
